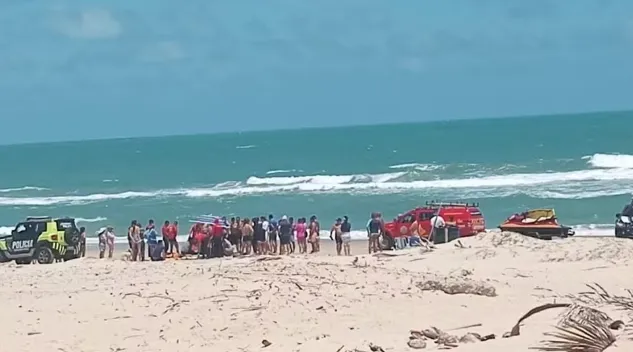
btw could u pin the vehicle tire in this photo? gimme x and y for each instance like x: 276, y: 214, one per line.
x: 387, y: 242
x: 44, y: 255
x: 23, y: 261
x: 618, y: 233
x: 3, y: 258
x: 72, y: 237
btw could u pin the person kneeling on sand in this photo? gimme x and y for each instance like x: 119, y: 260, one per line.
x: 229, y: 249
x: 158, y: 252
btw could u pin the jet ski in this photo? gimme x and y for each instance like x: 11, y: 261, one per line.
x: 537, y: 223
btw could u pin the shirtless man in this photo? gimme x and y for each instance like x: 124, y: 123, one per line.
x: 247, y: 239
x: 336, y: 230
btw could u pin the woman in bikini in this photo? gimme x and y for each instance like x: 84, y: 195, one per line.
x: 314, y: 234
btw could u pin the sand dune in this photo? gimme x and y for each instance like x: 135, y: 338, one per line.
x: 312, y: 303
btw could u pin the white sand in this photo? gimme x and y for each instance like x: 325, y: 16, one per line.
x: 318, y: 303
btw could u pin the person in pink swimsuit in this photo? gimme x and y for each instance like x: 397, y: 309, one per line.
x: 301, y: 229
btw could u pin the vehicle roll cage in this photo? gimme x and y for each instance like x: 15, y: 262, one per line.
x: 437, y: 203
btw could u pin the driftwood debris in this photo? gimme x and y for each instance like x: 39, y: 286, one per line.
x: 453, y: 286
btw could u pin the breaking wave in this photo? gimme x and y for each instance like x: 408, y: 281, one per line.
x: 609, y: 175
x: 21, y: 189
x: 610, y: 161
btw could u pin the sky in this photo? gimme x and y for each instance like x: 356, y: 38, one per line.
x: 72, y: 70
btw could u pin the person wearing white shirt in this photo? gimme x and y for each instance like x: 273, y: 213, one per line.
x: 438, y: 226
x: 265, y: 228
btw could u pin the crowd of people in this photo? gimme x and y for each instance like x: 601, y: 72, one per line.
x: 218, y: 236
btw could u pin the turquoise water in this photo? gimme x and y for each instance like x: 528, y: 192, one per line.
x: 580, y: 164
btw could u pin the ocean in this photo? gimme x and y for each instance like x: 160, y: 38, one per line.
x: 581, y: 165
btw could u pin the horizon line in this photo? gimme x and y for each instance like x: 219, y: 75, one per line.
x: 313, y: 128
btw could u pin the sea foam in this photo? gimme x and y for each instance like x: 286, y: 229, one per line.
x: 610, y: 161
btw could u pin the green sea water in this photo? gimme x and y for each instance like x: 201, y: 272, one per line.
x: 582, y: 165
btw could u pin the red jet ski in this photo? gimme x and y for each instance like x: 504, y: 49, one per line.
x: 537, y: 223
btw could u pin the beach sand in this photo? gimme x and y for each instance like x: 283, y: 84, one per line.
x: 310, y: 303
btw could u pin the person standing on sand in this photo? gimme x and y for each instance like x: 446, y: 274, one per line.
x: 346, y: 235
x: 438, y: 228
x: 135, y: 240
x: 110, y: 239
x: 82, y: 242
x: 235, y: 233
x: 164, y: 231
x: 101, y: 235
x: 293, y: 235
x: 266, y: 229
x: 273, y: 232
x: 285, y: 232
x: 300, y: 229
x: 217, y: 238
x: 141, y: 248
x: 336, y: 230
x: 315, y: 230
x: 247, y: 239
x: 173, y: 239
x: 152, y: 238
x: 374, y: 230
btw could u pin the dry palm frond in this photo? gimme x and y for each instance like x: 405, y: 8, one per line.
x: 588, y: 336
x: 516, y: 329
x: 578, y: 314
x: 598, y: 293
